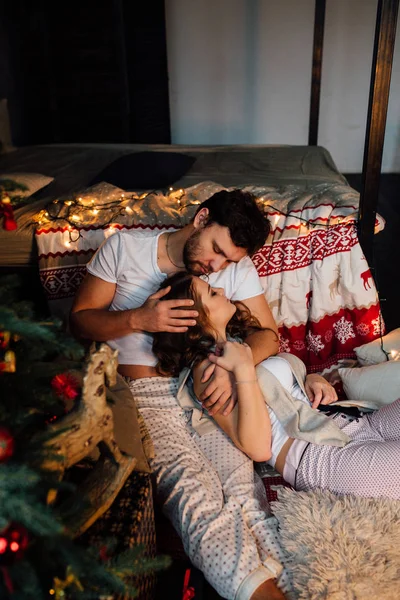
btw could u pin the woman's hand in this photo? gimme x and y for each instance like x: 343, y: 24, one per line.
x: 319, y: 390
x: 235, y: 357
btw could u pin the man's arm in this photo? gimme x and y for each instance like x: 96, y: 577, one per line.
x: 265, y: 343
x: 91, y: 319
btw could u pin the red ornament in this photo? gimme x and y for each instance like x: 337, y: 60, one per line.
x: 9, y: 222
x: 4, y: 340
x: 188, y: 591
x: 14, y: 541
x: 66, y: 386
x: 6, y: 444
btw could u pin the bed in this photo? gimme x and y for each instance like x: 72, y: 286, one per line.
x: 74, y: 166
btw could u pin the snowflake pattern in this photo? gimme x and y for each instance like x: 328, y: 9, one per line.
x: 377, y: 325
x: 344, y: 330
x: 299, y: 345
x: 284, y: 345
x: 314, y: 342
x: 362, y: 329
x: 328, y: 335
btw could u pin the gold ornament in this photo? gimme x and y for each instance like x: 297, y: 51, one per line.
x: 59, y: 585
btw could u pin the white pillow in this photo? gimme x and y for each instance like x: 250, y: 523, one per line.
x: 374, y: 386
x: 32, y: 181
x: 372, y: 353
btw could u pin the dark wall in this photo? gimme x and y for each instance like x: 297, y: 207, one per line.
x: 4, y: 57
x: 85, y: 71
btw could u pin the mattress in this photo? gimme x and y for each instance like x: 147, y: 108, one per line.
x: 73, y: 166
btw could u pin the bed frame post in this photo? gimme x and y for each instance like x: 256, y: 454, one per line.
x: 385, y: 34
x: 318, y: 43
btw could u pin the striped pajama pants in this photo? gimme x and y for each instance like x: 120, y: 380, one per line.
x: 369, y: 465
x: 211, y: 494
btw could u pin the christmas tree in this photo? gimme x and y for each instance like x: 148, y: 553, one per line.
x: 39, y: 559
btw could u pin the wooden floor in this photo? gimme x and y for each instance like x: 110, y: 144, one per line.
x: 386, y: 267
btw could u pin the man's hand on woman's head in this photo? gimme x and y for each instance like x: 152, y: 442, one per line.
x: 319, y: 390
x: 166, y: 315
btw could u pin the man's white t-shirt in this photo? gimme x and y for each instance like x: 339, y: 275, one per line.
x: 129, y: 259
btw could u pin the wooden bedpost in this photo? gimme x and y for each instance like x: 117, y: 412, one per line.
x: 318, y: 44
x: 385, y: 34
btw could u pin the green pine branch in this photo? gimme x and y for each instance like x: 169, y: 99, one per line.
x: 42, y: 351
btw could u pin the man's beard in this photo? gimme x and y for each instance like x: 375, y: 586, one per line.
x: 191, y: 250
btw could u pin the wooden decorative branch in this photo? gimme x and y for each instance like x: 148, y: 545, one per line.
x: 88, y: 426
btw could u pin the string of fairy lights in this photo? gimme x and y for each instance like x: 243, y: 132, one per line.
x: 79, y: 212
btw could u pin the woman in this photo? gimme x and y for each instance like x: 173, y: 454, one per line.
x: 358, y: 456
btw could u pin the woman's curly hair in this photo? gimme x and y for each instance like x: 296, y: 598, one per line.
x: 175, y: 351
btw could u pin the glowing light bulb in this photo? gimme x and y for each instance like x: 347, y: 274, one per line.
x: 95, y: 211
x: 171, y: 189
x: 67, y: 243
x: 46, y: 213
x: 68, y: 202
x: 75, y: 217
x: 128, y: 210
x: 394, y: 354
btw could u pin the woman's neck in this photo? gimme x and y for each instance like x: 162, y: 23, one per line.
x: 221, y: 336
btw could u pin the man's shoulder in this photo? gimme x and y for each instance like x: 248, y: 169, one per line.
x: 138, y: 233
x: 132, y: 238
x: 239, y: 280
x: 123, y: 245
x: 233, y: 270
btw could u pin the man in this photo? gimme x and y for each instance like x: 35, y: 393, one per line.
x: 118, y: 302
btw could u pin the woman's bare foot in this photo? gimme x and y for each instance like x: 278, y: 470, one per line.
x: 268, y: 591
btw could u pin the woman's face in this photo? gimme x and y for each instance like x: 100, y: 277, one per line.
x: 218, y: 308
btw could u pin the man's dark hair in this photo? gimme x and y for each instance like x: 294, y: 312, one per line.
x: 238, y: 210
